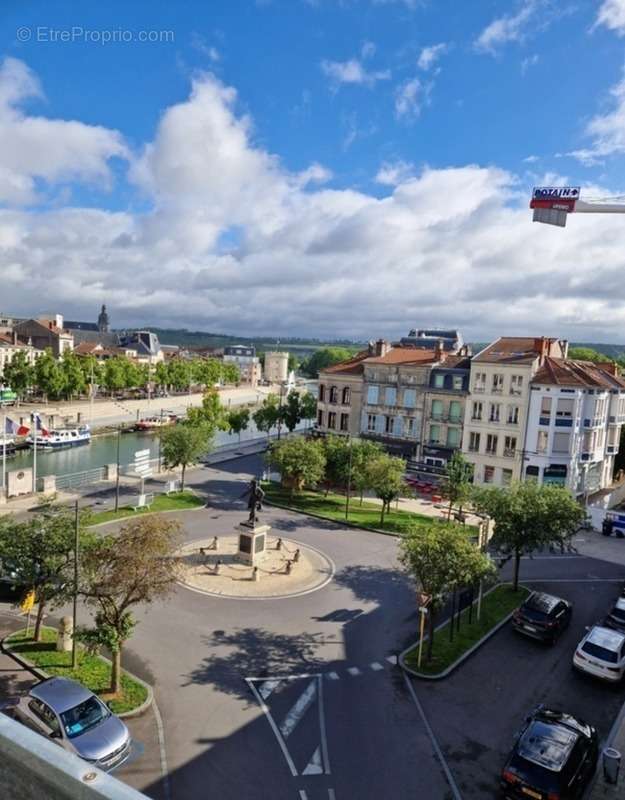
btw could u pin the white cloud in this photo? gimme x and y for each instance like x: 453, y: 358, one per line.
x: 368, y: 50
x: 508, y: 28
x: 455, y: 245
x: 352, y: 71
x: 37, y: 148
x: 611, y: 14
x: 528, y: 62
x: 395, y: 172
x: 606, y: 130
x: 430, y: 55
x: 410, y: 97
x: 531, y: 159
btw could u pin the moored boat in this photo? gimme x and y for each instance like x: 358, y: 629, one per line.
x: 154, y: 423
x: 62, y: 437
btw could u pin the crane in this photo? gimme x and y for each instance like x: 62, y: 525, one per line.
x: 552, y: 204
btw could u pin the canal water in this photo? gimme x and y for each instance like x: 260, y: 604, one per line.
x: 103, y: 450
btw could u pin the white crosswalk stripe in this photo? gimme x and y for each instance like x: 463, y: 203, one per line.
x: 354, y: 671
x: 268, y: 687
x: 376, y: 666
x: 298, y: 710
x: 392, y: 660
x: 333, y: 676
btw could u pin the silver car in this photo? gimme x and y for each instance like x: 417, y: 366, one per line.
x: 601, y: 653
x: 75, y: 718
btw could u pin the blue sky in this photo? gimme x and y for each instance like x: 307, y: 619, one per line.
x: 339, y: 111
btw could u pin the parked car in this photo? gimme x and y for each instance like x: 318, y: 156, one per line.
x: 601, y: 653
x: 554, y: 758
x: 77, y: 720
x: 616, y: 617
x: 542, y: 616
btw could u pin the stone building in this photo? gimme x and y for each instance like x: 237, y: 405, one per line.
x: 276, y: 368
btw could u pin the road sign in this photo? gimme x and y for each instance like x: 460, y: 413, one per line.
x: 28, y: 601
x: 142, y: 463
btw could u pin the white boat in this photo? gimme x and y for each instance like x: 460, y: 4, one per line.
x: 62, y: 437
x: 7, y: 443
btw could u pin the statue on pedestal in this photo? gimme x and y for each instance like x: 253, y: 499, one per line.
x: 255, y: 497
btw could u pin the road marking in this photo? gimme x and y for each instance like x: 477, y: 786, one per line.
x: 314, y: 766
x: 303, y: 795
x: 376, y: 666
x: 298, y: 710
x: 331, y: 795
x: 354, y: 671
x: 574, y: 580
x: 268, y: 687
x: 163, y: 755
x: 333, y: 676
x: 392, y: 660
x: 322, y: 731
x: 437, y: 750
x: 274, y: 727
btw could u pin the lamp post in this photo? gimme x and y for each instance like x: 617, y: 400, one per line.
x: 280, y: 411
x: 119, y: 436
x: 75, y: 599
x: 349, y: 476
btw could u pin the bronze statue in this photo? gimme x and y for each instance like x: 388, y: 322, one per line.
x: 255, y: 501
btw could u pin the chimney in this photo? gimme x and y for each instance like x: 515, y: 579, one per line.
x: 14, y: 336
x: 439, y: 351
x: 611, y: 367
x: 541, y: 347
x: 382, y: 347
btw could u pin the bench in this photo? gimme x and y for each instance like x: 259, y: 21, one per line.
x: 143, y: 501
x: 171, y: 487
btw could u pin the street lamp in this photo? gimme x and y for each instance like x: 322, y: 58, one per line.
x: 349, y: 476
x: 119, y: 436
x: 75, y: 600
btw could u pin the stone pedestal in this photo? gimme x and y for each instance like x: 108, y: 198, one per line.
x: 110, y: 472
x: 252, y: 543
x: 19, y: 481
x: 64, y: 638
x: 48, y: 484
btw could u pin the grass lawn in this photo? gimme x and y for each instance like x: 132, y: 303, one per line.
x: 495, y: 606
x: 180, y: 501
x: 92, y: 671
x: 366, y: 515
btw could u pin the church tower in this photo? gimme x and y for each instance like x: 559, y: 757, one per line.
x: 103, y: 320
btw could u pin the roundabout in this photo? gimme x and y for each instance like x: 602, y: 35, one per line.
x: 287, y: 568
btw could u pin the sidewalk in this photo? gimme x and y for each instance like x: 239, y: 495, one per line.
x: 601, y: 790
x: 606, y: 548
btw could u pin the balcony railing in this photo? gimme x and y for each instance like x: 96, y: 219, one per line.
x: 509, y: 452
x: 497, y: 390
x: 454, y: 420
x: 544, y: 420
x: 512, y: 421
x: 564, y: 422
x: 479, y: 389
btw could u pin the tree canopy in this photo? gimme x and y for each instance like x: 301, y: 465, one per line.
x: 183, y: 444
x: 322, y: 358
x: 385, y: 476
x: 301, y: 462
x: 456, y: 485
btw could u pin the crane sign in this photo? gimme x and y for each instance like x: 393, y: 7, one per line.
x: 552, y: 204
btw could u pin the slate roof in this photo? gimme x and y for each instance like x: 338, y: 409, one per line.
x: 584, y: 374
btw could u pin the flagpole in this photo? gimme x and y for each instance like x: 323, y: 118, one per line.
x: 34, y: 428
x: 4, y: 455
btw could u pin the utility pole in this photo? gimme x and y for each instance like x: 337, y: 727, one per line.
x: 349, y: 476
x: 75, y: 604
x: 119, y: 436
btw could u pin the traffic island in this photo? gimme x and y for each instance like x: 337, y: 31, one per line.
x: 92, y: 671
x: 180, y: 501
x: 498, y: 606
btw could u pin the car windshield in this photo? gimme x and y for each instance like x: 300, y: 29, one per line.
x: 541, y: 603
x: 547, y: 745
x: 600, y: 652
x: 84, y: 716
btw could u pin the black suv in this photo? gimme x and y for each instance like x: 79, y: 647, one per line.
x: 542, y: 616
x: 554, y: 758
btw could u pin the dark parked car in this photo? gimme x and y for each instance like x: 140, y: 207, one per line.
x: 542, y: 616
x: 616, y: 617
x: 554, y: 758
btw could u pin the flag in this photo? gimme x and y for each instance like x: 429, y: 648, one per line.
x: 10, y: 427
x: 23, y: 430
x: 38, y: 423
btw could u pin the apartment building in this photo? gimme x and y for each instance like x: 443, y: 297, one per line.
x: 339, y: 398
x: 576, y: 411
x: 44, y: 334
x: 445, y: 405
x: 496, y: 411
x: 246, y: 360
x: 10, y: 346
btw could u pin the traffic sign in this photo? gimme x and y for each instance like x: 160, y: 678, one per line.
x: 142, y: 464
x: 28, y: 601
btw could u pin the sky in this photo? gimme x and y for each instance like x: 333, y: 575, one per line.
x: 327, y: 168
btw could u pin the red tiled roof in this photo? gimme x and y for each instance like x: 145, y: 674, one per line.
x: 518, y: 349
x: 8, y: 340
x: 351, y: 366
x: 405, y: 355
x: 566, y: 372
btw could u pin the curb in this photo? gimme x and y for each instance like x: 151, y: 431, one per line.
x: 467, y: 654
x: 336, y: 523
x: 149, y: 513
x: 42, y: 675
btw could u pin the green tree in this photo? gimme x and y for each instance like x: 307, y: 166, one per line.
x: 456, y: 484
x: 180, y: 373
x: 206, y: 371
x: 73, y: 376
x: 364, y: 452
x: 230, y: 374
x: 40, y: 554
x: 92, y: 370
x: 529, y: 516
x: 322, y: 358
x: 308, y: 406
x: 211, y: 415
x: 337, y: 452
x: 133, y: 372
x: 238, y: 420
x: 587, y: 354
x: 386, y: 478
x: 267, y: 416
x: 441, y: 559
x: 19, y: 374
x: 183, y: 444
x: 121, y: 571
x: 293, y: 363
x: 115, y: 374
x: 291, y: 412
x: 48, y: 375
x: 300, y: 462
x: 161, y: 374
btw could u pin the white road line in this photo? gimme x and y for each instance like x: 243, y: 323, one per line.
x: 314, y: 766
x: 354, y: 671
x: 322, y: 730
x: 376, y: 666
x: 303, y: 795
x: 163, y: 755
x: 573, y: 580
x: 274, y: 727
x: 333, y: 676
x: 437, y: 750
x: 331, y: 795
x: 392, y: 660
x: 299, y: 709
x: 268, y: 687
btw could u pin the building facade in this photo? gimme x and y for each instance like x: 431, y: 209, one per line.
x: 245, y: 358
x: 339, y: 398
x: 445, y: 406
x: 10, y: 346
x: 45, y: 334
x: 496, y: 408
x: 276, y: 367
x: 576, y: 411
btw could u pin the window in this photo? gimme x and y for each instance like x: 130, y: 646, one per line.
x: 389, y: 424
x: 453, y: 437
x: 344, y: 422
x: 564, y: 408
x: 513, y: 415
x: 437, y: 409
x: 390, y: 396
x: 491, y: 444
x: 454, y: 411
x: 332, y: 419
x: 497, y: 383
x: 532, y: 473
x: 458, y: 383
x: 410, y: 398
x: 561, y: 442
x: 334, y: 394
x: 371, y: 422
x: 372, y: 395
x: 347, y: 396
x: 320, y: 418
x: 435, y: 434
x: 509, y: 446
x: 322, y: 392
x: 477, y: 410
x: 409, y: 426
x: 439, y: 381
x: 495, y: 408
x: 474, y: 442
x: 541, y: 443
x: 489, y: 474
x: 516, y: 384
x: 545, y: 410
x: 506, y: 477
x: 479, y: 384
